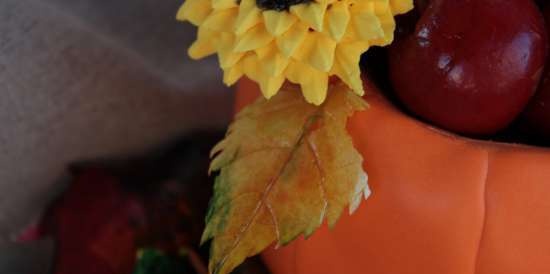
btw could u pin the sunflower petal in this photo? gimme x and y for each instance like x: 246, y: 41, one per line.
x: 220, y: 20
x: 292, y: 72
x: 315, y: 87
x: 226, y: 55
x: 311, y: 13
x: 277, y: 22
x: 314, y: 83
x: 291, y: 40
x: 250, y: 66
x: 249, y: 16
x: 306, y: 47
x: 352, y: 77
x: 254, y: 38
x: 365, y: 22
x: 401, y: 6
x: 265, y: 50
x: 276, y: 65
x: 204, y: 45
x: 194, y: 11
x: 338, y: 19
x: 232, y: 74
x: 346, y: 64
x: 321, y: 55
x: 271, y: 85
x: 224, y: 4
x: 200, y: 49
x: 349, y: 53
x: 387, y: 23
x: 273, y: 62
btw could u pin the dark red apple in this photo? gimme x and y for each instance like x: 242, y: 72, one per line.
x: 421, y: 5
x: 470, y: 66
x: 536, y: 119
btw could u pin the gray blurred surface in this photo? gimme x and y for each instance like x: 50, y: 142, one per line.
x: 30, y: 258
x: 81, y: 79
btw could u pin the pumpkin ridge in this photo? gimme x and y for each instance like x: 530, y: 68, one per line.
x: 484, y: 203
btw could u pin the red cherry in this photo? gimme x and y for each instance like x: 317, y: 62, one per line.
x: 537, y: 115
x: 470, y: 66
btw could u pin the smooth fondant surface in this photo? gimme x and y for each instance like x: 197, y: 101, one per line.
x: 440, y: 204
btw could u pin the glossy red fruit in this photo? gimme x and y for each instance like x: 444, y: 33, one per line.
x: 470, y: 66
x: 421, y: 5
x: 537, y: 115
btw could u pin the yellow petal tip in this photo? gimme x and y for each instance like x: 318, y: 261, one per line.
x: 314, y: 40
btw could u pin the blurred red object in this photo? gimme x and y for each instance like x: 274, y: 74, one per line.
x: 95, y: 224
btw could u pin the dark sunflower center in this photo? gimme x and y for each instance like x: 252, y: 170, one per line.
x: 279, y: 5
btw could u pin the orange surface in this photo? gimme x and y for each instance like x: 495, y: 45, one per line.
x: 441, y: 204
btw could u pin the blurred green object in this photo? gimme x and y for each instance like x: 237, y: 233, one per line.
x: 152, y: 261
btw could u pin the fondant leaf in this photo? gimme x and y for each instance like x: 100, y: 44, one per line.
x: 285, y: 167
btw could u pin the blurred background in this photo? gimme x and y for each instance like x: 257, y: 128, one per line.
x: 104, y: 121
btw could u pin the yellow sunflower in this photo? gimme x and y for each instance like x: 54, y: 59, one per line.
x: 303, y: 41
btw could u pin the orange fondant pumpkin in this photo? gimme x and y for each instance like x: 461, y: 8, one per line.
x: 441, y: 204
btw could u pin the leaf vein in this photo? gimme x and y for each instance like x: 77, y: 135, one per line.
x: 305, y: 130
x: 251, y: 153
x: 322, y: 182
x: 275, y: 223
